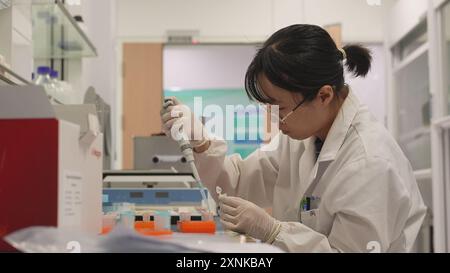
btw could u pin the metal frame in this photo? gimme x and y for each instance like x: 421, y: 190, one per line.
x: 442, y: 43
x: 438, y: 63
x: 396, y: 65
x: 423, y: 49
x: 440, y: 134
x: 6, y: 80
x: 436, y: 48
x: 440, y: 129
x: 15, y: 75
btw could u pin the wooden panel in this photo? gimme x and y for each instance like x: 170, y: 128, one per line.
x: 335, y: 32
x: 142, y: 94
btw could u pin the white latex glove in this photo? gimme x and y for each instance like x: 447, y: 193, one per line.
x: 177, y: 118
x: 242, y: 216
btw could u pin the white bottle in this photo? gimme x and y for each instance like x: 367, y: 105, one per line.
x: 43, y: 79
x: 68, y: 93
x: 58, y: 92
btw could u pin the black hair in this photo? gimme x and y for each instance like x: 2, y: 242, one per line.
x: 302, y: 59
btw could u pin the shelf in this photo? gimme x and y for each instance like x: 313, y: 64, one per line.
x: 57, y: 35
x: 13, y: 78
x: 424, y: 174
x: 415, y: 134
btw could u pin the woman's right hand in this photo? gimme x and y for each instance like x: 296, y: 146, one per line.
x: 177, y: 119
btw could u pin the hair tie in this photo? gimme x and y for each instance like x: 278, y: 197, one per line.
x: 344, y: 55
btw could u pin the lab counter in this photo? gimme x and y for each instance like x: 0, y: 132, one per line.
x: 125, y: 240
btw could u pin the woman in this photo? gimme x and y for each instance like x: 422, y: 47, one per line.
x: 337, y: 181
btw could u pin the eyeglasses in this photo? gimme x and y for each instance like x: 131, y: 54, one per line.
x: 283, y: 120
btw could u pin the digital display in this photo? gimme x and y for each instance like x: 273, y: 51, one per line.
x: 162, y: 194
x: 136, y: 194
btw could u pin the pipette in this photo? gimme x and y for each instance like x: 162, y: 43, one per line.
x: 187, y: 150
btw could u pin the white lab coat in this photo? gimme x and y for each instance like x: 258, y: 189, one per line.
x: 368, y: 194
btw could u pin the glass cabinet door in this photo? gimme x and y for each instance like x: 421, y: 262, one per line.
x: 414, y: 112
x: 412, y: 85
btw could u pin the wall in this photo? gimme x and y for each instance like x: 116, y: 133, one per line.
x: 361, y: 21
x: 101, y: 29
x: 16, y: 44
x: 403, y: 17
x: 203, y: 67
x: 100, y: 72
x: 247, y: 20
x: 215, y: 19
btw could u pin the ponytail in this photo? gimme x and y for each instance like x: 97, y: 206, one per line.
x: 358, y: 59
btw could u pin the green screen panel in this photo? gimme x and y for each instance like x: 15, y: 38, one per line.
x: 222, y: 98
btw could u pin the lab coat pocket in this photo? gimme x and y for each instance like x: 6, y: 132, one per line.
x: 309, y: 218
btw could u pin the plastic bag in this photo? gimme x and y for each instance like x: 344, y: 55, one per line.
x: 61, y: 240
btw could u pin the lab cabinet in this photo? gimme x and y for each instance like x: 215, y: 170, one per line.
x: 414, y: 111
x: 440, y: 132
x: 418, y: 97
x: 16, y: 44
x: 57, y: 35
x: 413, y: 97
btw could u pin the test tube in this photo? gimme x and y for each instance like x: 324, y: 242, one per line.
x: 162, y: 220
x: 109, y: 221
x: 127, y: 218
x: 207, y: 216
x: 219, y: 191
x: 185, y: 216
x: 146, y: 217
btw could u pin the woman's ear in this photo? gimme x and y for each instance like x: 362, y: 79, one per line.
x: 325, y: 95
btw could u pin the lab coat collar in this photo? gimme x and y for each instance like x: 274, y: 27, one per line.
x: 310, y: 170
x: 339, y: 129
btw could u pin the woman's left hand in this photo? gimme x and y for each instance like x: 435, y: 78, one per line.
x: 242, y: 216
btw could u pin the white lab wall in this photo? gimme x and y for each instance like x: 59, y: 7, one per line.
x: 403, y: 17
x: 287, y: 12
x: 100, y: 72
x: 214, y: 19
x: 247, y: 20
x: 361, y: 20
x: 16, y: 44
x: 203, y: 67
x: 99, y: 19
